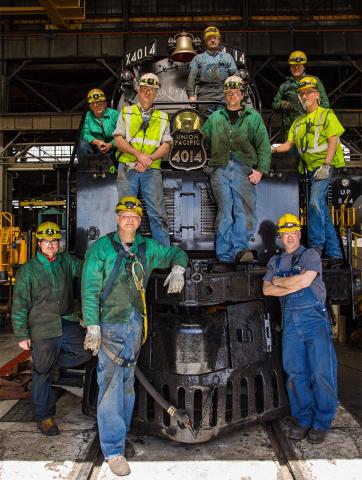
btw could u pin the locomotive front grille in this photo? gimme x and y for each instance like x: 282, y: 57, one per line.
x: 235, y: 397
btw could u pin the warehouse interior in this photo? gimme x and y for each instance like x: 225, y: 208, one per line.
x: 52, y: 52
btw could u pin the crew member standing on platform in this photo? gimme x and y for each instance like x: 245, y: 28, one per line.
x: 208, y: 71
x: 309, y: 359
x: 99, y: 124
x: 142, y: 136
x: 316, y: 136
x: 116, y: 270
x: 44, y: 319
x: 240, y: 155
x: 287, y: 100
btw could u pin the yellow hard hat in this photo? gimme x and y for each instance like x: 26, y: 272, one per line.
x: 129, y: 204
x: 149, y: 80
x: 211, y: 32
x: 297, y: 58
x: 288, y: 223
x: 96, y: 95
x: 234, y: 82
x: 48, y: 230
x: 308, y: 82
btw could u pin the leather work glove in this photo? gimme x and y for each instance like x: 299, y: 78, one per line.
x: 175, y: 279
x: 285, y: 105
x: 322, y: 172
x: 93, y: 339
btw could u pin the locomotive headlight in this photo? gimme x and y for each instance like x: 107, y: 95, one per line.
x: 345, y: 182
x: 187, y: 120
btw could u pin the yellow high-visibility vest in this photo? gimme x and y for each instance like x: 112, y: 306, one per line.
x: 145, y: 140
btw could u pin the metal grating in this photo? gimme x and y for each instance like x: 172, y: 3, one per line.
x: 208, y: 213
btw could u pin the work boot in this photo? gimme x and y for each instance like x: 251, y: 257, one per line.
x: 244, y: 256
x: 119, y: 466
x: 316, y: 436
x: 48, y: 427
x: 297, y: 432
x: 129, y: 450
x: 222, y: 267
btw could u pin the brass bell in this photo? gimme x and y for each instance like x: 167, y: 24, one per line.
x: 184, y: 51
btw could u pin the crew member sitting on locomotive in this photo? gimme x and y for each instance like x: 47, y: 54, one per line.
x: 240, y: 155
x: 116, y: 270
x: 316, y: 136
x: 309, y: 359
x: 100, y: 122
x: 287, y: 100
x: 142, y: 136
x: 44, y: 319
x: 209, y: 70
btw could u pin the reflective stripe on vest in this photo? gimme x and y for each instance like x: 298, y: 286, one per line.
x: 316, y: 147
x: 146, y: 141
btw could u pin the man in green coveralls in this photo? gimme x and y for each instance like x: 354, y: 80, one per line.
x: 115, y: 275
x: 287, y: 100
x: 44, y: 319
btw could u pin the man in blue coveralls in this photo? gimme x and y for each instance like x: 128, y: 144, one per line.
x: 309, y: 358
x: 209, y: 70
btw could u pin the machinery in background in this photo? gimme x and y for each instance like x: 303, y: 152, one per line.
x: 13, y: 252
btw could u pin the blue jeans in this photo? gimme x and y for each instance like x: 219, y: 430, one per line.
x: 321, y: 230
x: 235, y: 198
x: 309, y: 360
x: 130, y: 182
x: 86, y: 149
x: 65, y: 351
x: 116, y: 383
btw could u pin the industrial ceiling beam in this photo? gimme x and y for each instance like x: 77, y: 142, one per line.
x: 33, y: 90
x: 51, y: 9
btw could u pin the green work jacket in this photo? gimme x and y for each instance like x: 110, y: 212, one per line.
x: 288, y: 91
x: 99, y: 262
x: 100, y: 129
x: 43, y: 296
x: 247, y: 139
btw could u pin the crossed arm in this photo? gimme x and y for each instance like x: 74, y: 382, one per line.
x: 280, y: 286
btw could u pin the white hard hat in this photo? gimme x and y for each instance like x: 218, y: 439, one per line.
x: 149, y: 80
x: 234, y: 82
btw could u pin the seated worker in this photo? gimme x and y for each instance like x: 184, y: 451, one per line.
x: 316, y: 135
x: 208, y: 71
x: 44, y: 320
x: 287, y: 100
x: 100, y: 122
x: 240, y: 155
x: 142, y: 136
x: 309, y: 359
x: 119, y: 328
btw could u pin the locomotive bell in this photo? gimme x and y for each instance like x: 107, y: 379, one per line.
x: 184, y: 51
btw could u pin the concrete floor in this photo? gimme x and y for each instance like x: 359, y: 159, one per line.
x: 243, y: 455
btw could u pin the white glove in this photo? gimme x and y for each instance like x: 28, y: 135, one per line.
x: 175, y: 279
x: 93, y: 339
x: 322, y: 172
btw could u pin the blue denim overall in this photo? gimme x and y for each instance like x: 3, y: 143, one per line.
x: 309, y: 358
x: 116, y: 382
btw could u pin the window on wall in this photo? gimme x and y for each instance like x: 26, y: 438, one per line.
x: 47, y: 154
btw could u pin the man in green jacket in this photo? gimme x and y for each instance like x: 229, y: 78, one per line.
x: 99, y: 124
x: 115, y: 274
x: 240, y: 155
x: 44, y: 319
x: 287, y: 100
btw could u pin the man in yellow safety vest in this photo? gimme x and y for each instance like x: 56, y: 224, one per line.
x: 142, y: 136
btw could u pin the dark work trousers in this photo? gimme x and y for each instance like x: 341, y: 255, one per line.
x: 65, y: 351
